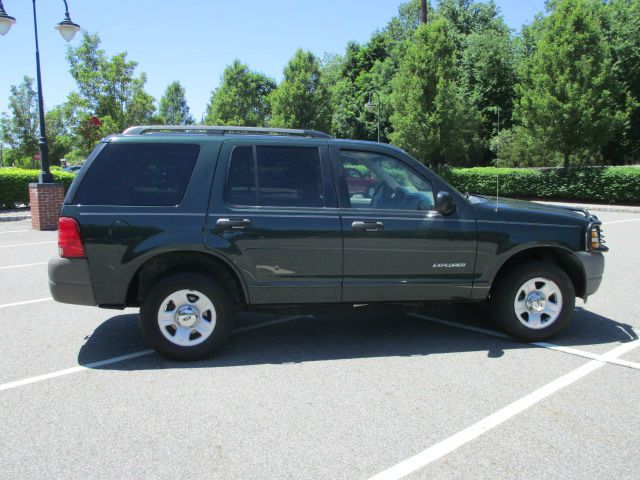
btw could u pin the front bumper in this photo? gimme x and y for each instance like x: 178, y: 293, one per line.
x: 593, y: 265
x: 70, y: 281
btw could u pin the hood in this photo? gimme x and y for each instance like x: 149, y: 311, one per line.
x: 523, y: 211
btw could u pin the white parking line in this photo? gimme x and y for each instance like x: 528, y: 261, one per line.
x: 14, y: 231
x: 23, y: 265
x: 26, y: 302
x: 463, y: 437
x: 69, y: 371
x: 27, y: 244
x: 122, y: 358
x: 550, y: 346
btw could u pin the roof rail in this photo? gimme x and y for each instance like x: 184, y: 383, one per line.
x: 209, y: 130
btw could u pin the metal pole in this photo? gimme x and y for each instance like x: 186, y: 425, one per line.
x: 424, y: 11
x: 45, y: 174
x: 497, y: 166
x: 378, y: 95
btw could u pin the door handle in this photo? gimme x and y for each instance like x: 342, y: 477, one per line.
x: 233, y: 223
x: 367, y: 226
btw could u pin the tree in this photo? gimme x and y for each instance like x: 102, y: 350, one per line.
x: 20, y: 129
x: 302, y: 99
x: 365, y: 71
x: 489, y: 77
x: 241, y: 99
x: 59, y: 135
x: 624, y: 32
x: 569, y: 91
x: 108, y: 86
x: 432, y: 118
x: 173, y: 106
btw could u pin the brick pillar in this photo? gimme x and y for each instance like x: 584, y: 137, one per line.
x: 46, y: 202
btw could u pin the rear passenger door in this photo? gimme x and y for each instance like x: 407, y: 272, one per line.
x: 273, y: 213
x: 139, y: 198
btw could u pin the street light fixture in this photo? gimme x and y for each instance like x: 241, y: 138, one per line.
x: 67, y: 29
x: 6, y: 22
x: 369, y: 106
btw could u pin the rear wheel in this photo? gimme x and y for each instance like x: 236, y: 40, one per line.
x: 534, y: 300
x: 186, y: 316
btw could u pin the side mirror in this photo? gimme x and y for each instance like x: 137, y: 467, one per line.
x: 445, y: 204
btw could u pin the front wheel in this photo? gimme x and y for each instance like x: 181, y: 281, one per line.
x: 186, y: 316
x: 534, y: 300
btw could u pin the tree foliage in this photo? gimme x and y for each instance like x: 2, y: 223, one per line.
x: 433, y: 119
x: 565, y: 87
x: 20, y: 130
x: 567, y: 98
x: 173, y: 106
x: 241, y: 99
x: 108, y: 87
x: 301, y: 100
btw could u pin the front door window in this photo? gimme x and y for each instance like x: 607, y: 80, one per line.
x: 377, y: 181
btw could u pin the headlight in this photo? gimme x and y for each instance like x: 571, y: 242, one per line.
x: 595, y: 238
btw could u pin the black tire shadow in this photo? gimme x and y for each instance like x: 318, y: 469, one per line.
x: 354, y: 333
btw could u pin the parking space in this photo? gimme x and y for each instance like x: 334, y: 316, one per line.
x: 429, y: 393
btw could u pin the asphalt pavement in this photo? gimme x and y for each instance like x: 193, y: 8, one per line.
x: 368, y: 392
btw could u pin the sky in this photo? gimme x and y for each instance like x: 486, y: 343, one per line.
x: 194, y: 40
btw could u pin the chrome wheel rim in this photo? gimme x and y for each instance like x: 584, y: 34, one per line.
x: 187, y: 318
x: 538, y: 303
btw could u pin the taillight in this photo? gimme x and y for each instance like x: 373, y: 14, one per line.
x: 69, y: 241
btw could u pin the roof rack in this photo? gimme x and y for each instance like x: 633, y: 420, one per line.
x: 209, y: 130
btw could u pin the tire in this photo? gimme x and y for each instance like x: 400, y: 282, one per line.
x: 186, y: 316
x: 534, y: 300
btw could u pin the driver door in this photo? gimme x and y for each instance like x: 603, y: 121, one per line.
x: 396, y: 247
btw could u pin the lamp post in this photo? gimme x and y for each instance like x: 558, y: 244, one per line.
x: 369, y: 106
x: 67, y: 29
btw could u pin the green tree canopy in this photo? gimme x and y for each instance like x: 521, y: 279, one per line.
x: 302, y: 99
x: 108, y: 87
x: 173, y: 106
x: 569, y: 90
x: 624, y: 31
x: 488, y: 77
x: 432, y: 119
x: 20, y: 128
x: 241, y: 98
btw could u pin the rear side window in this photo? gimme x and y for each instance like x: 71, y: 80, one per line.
x: 138, y: 174
x: 275, y: 177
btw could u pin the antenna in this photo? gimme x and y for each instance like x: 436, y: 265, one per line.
x: 498, y: 158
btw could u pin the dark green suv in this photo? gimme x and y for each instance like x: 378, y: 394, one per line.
x: 194, y: 223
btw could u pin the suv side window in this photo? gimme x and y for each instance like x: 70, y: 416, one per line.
x: 274, y: 176
x: 384, y: 183
x: 138, y: 174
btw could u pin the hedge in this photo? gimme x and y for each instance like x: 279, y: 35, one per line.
x: 595, y: 184
x: 14, y: 184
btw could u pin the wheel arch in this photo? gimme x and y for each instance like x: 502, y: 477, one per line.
x: 168, y: 263
x: 564, y: 259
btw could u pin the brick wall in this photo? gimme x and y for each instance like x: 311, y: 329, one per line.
x: 46, y: 202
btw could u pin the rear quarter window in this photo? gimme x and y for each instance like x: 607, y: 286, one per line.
x: 138, y: 174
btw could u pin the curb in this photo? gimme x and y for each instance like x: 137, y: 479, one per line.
x: 15, y: 215
x: 595, y: 208
x: 14, y: 218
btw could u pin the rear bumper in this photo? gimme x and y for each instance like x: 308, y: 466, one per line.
x: 70, y: 281
x: 593, y: 265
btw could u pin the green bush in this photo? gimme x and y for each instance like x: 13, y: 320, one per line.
x: 14, y: 185
x: 597, y: 184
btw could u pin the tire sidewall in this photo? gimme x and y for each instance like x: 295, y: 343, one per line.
x: 507, y: 287
x: 189, y: 281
